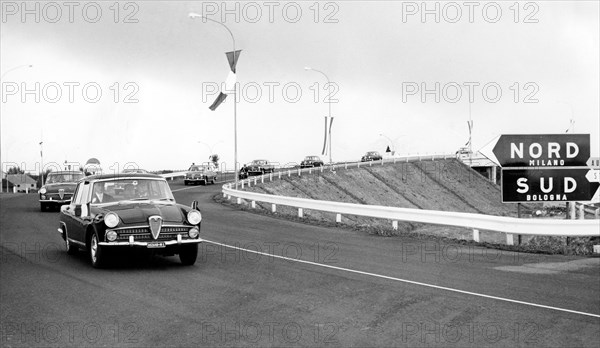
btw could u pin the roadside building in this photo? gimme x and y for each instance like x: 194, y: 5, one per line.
x: 21, y: 182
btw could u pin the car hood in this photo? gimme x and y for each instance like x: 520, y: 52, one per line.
x: 68, y: 187
x: 139, y: 212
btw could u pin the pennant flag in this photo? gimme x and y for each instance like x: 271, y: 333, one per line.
x: 232, y: 58
x: 229, y: 88
x: 470, y: 125
x: 327, y: 133
x: 388, y: 149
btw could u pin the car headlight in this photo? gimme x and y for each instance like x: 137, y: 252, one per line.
x: 111, y: 236
x: 194, y: 217
x: 43, y: 190
x: 194, y: 232
x: 111, y: 220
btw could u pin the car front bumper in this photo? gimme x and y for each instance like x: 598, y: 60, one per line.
x: 145, y: 244
x: 56, y: 201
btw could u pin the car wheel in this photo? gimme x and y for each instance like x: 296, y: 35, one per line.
x: 188, y: 254
x: 70, y: 248
x: 96, y: 252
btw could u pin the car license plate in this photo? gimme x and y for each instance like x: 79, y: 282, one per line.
x: 156, y: 244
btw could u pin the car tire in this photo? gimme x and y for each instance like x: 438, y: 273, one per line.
x: 70, y: 248
x: 188, y: 254
x: 96, y: 252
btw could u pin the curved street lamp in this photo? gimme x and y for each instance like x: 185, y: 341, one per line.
x: 2, y: 80
x: 193, y: 15
x: 328, y: 102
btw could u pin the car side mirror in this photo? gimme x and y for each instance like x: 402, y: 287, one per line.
x: 77, y: 210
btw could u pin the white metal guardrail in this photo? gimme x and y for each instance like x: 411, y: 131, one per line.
x: 508, y: 225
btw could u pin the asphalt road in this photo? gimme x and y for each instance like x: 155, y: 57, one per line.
x: 284, y: 283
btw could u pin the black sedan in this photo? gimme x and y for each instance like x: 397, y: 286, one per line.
x: 371, y: 156
x: 58, y: 189
x: 311, y: 161
x: 143, y: 215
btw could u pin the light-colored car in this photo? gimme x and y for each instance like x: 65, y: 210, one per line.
x: 200, y: 174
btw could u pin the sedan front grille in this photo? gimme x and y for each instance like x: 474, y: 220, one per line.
x: 142, y: 234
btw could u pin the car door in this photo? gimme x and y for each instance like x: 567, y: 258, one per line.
x: 76, y: 224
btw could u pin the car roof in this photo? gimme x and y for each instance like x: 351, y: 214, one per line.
x: 122, y: 176
x: 65, y: 172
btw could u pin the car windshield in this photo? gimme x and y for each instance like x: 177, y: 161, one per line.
x: 131, y: 189
x: 54, y: 178
x: 312, y: 158
x: 258, y: 162
x: 197, y: 168
x: 372, y: 153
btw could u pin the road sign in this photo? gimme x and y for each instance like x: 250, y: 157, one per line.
x: 549, y: 185
x: 539, y: 150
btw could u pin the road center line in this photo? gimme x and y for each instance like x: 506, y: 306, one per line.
x: 406, y: 281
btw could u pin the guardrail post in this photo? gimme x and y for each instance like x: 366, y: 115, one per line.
x: 581, y: 212
x: 338, y: 217
x: 370, y: 163
x: 346, y: 165
x: 273, y: 208
x: 270, y: 176
x: 253, y: 204
x: 309, y: 170
x: 509, y: 239
x: 254, y: 181
x: 476, y: 235
x: 299, y: 172
x: 262, y: 179
x: 242, y: 182
x: 395, y: 225
x: 321, y: 169
x: 239, y: 200
x: 300, y: 212
x: 358, y: 165
x: 279, y: 175
x: 597, y: 213
x: 289, y: 173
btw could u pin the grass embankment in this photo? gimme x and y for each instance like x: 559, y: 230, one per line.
x: 445, y: 185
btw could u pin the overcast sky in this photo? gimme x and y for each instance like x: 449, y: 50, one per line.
x: 543, y: 57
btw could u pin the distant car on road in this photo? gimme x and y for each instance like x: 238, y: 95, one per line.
x: 371, y: 156
x: 200, y: 174
x: 58, y: 189
x: 311, y: 161
x: 145, y: 215
x: 259, y: 167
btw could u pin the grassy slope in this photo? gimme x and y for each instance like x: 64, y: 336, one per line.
x: 446, y: 185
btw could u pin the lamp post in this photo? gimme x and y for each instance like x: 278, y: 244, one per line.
x: 235, y: 160
x: 329, y: 102
x: 42, y: 160
x: 572, y: 119
x: 1, y: 81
